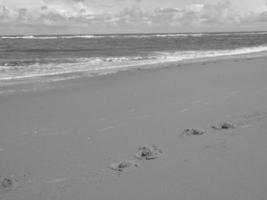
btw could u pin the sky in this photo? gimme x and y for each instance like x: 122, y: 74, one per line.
x: 130, y: 16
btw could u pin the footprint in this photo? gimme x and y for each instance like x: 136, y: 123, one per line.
x: 148, y: 152
x: 193, y: 132
x: 224, y: 126
x: 124, y: 165
x: 8, y: 183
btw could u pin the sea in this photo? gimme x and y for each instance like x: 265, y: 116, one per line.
x: 60, y: 57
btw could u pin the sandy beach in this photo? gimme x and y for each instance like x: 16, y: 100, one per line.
x: 59, y: 142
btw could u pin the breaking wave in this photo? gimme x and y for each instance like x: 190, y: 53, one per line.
x: 32, y: 37
x: 118, y: 36
x: 11, y: 70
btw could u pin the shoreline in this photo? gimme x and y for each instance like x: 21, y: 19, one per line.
x: 13, y: 86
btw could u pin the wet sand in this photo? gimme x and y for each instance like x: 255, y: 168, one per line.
x: 59, y: 143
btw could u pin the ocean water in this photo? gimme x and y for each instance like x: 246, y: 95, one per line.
x: 35, y: 57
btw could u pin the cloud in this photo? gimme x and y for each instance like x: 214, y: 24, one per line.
x: 79, y: 14
x: 6, y: 14
x: 44, y: 7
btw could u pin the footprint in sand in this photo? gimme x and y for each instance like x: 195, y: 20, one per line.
x: 8, y: 183
x: 148, y: 152
x: 124, y: 165
x: 192, y: 131
x: 224, y: 126
x: 145, y: 152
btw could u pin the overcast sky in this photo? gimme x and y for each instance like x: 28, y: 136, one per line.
x: 130, y: 16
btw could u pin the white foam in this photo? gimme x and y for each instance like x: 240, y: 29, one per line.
x: 188, y: 55
x: 160, y: 35
x: 49, y: 37
x: 105, y: 65
x: 19, y: 37
x: 78, y: 36
x: 238, y: 33
x: 168, y: 35
x: 105, y: 36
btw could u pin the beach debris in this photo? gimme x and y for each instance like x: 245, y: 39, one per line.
x: 193, y: 131
x: 148, y: 152
x: 224, y: 126
x: 123, y: 165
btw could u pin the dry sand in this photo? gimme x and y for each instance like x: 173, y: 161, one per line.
x: 58, y: 143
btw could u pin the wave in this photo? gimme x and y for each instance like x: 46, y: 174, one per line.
x: 19, y: 37
x: 190, y: 55
x: 79, y: 37
x: 28, y: 69
x: 31, y: 37
x: 169, y: 35
x: 117, y: 36
x: 238, y: 33
x: 122, y: 36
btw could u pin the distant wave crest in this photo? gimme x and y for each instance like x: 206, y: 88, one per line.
x: 121, y: 36
x: 32, y: 37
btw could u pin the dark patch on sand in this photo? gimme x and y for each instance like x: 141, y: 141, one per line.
x: 123, y: 165
x: 148, y: 152
x: 8, y: 183
x: 224, y: 126
x: 193, y: 132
